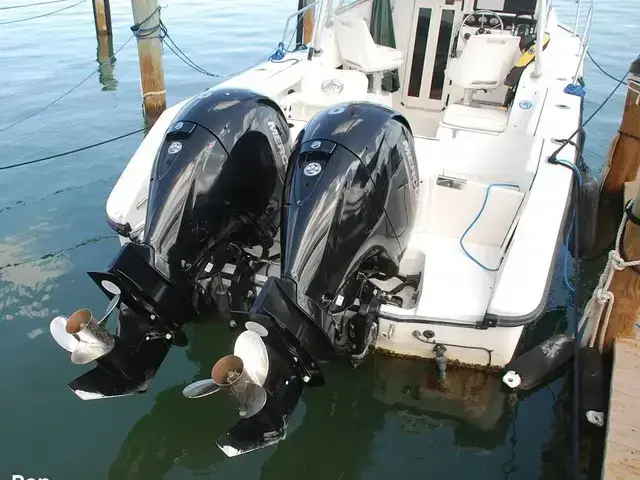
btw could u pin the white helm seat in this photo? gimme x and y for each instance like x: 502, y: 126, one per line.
x: 484, y: 63
x: 360, y: 52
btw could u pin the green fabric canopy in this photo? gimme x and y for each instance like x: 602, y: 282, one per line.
x: 382, y: 32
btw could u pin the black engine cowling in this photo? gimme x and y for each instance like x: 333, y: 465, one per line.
x: 217, y: 179
x: 349, y: 205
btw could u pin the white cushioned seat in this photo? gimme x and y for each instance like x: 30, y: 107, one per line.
x: 360, y: 52
x: 484, y: 62
x: 475, y: 118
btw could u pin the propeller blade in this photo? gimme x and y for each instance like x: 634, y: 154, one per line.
x: 115, y: 301
x: 201, y: 388
x: 86, y: 353
x: 252, y: 350
x: 58, y: 329
x: 255, y: 398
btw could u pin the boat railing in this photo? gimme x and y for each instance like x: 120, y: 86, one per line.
x: 582, y: 29
x: 299, y: 15
x: 346, y: 5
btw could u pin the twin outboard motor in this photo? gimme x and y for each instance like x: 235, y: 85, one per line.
x: 344, y: 210
x: 215, y: 189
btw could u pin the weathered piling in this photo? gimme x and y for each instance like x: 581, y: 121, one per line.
x: 625, y: 286
x: 146, y: 15
x: 308, y: 25
x: 102, y: 17
x: 624, y: 158
x: 623, y: 301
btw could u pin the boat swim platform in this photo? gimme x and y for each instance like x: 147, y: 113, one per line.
x: 622, y: 447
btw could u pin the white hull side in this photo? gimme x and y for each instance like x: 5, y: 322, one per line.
x: 491, y: 347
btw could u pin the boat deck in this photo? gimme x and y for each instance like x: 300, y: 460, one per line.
x: 622, y: 451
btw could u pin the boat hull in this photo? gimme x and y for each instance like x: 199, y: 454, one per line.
x: 486, y: 348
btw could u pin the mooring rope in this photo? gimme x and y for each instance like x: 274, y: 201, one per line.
x: 68, y: 92
x: 602, y: 299
x: 42, y: 15
x: 27, y: 5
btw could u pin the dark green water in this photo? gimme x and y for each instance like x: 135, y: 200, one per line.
x: 388, y: 419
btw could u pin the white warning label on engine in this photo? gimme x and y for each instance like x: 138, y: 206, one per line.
x: 412, y: 171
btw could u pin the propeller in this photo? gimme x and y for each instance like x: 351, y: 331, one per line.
x: 243, y: 374
x: 81, y: 334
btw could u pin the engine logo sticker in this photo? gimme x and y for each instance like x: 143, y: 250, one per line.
x: 525, y: 104
x: 316, y: 144
x: 278, y: 139
x: 411, y: 170
x: 174, y: 148
x: 312, y: 169
x: 336, y: 110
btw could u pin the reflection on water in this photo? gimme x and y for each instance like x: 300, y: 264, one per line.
x: 177, y: 430
x: 340, y: 422
x: 106, y: 64
x: 468, y: 399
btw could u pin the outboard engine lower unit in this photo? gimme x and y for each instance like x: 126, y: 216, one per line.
x: 214, y: 194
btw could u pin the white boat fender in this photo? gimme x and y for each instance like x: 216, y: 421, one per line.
x: 530, y: 368
x: 592, y: 386
x: 511, y: 379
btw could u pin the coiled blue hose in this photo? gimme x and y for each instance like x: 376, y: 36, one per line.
x: 484, y: 204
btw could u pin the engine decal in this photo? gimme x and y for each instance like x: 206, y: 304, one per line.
x: 174, y: 148
x: 278, y: 139
x: 312, y: 169
x: 411, y: 170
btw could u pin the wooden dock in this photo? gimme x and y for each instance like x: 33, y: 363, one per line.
x: 622, y: 451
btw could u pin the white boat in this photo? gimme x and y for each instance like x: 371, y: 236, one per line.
x: 326, y: 217
x: 491, y: 208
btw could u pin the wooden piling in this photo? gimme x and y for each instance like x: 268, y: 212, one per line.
x: 624, y: 158
x: 625, y: 286
x: 308, y: 25
x: 102, y: 17
x: 146, y: 15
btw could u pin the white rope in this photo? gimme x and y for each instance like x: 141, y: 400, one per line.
x: 602, y: 297
x: 634, y: 86
x: 149, y: 94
